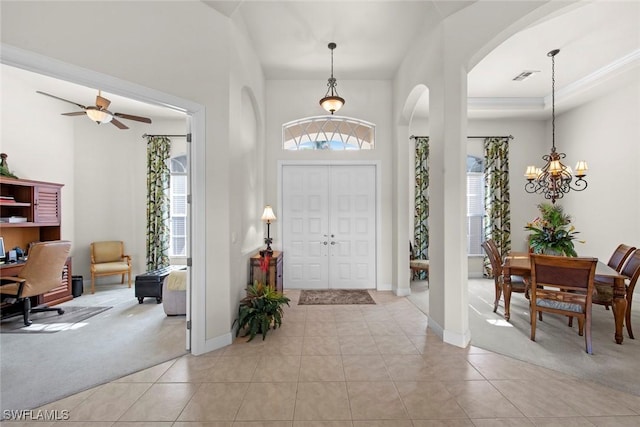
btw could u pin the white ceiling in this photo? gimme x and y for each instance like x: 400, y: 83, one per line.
x: 599, y: 43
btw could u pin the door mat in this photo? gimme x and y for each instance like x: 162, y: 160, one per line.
x: 335, y: 297
x: 50, y: 321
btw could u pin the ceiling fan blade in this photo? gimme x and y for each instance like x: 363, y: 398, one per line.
x: 130, y: 117
x: 77, y: 113
x: 119, y: 124
x: 61, y: 99
x: 103, y: 103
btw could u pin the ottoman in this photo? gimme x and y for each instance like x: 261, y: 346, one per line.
x: 174, y: 291
x: 149, y: 284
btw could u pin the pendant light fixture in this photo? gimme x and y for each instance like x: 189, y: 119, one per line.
x: 332, y: 102
x: 554, y: 179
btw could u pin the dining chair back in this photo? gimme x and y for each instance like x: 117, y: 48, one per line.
x: 632, y: 271
x: 518, y: 284
x: 563, y: 285
x: 619, y: 256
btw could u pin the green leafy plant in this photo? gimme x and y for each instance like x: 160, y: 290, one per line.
x: 260, y: 310
x: 552, y: 231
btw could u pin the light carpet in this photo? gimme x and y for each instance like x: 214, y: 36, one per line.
x: 557, y: 346
x: 36, y: 369
x: 335, y: 297
x: 47, y: 322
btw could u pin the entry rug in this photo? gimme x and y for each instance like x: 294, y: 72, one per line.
x: 335, y: 297
x: 50, y: 321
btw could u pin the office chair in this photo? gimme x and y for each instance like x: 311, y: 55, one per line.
x: 41, y: 273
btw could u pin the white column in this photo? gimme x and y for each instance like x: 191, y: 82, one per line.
x: 448, y: 293
x: 401, y: 279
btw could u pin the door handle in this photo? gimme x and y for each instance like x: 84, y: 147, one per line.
x: 333, y: 242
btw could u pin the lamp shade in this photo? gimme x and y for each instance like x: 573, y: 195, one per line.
x: 268, y: 215
x: 99, y: 116
x: 332, y: 103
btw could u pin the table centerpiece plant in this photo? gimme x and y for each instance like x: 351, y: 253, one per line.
x: 552, y: 232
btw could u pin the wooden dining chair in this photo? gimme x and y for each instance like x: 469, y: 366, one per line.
x: 563, y: 285
x: 603, y: 293
x: 604, y: 290
x: 518, y: 284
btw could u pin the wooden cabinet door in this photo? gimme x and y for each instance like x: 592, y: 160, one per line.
x: 46, y: 204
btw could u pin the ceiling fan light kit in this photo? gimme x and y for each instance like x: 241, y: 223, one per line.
x: 98, y: 116
x: 331, y: 101
x: 100, y: 113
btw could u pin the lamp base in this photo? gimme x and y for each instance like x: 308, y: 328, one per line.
x: 266, y: 252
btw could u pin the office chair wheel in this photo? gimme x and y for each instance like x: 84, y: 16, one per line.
x: 158, y: 300
x: 60, y: 311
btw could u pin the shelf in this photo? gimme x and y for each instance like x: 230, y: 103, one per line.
x: 19, y: 224
x: 15, y: 204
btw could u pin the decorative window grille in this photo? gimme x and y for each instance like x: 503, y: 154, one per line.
x: 328, y: 133
x: 178, y: 214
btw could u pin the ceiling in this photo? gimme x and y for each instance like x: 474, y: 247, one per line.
x: 599, y: 43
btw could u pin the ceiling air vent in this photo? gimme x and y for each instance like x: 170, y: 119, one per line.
x: 524, y: 75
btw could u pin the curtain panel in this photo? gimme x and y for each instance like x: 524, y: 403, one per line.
x: 158, y: 178
x: 497, y: 221
x: 421, y: 214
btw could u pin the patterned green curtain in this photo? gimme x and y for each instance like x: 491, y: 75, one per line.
x: 421, y: 214
x: 158, y: 175
x: 497, y: 220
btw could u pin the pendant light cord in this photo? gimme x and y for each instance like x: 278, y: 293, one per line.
x: 553, y: 103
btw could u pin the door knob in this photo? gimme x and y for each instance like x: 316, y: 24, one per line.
x: 325, y: 243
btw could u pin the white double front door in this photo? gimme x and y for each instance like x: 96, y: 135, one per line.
x: 329, y: 226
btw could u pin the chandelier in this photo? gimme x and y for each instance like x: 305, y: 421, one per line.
x: 332, y: 102
x: 555, y: 179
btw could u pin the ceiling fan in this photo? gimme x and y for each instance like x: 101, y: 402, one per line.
x: 99, y: 113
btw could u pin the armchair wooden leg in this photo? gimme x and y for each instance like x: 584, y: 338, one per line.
x: 93, y: 279
x: 122, y: 280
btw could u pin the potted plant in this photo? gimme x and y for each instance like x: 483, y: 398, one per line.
x: 260, y: 310
x: 552, y: 232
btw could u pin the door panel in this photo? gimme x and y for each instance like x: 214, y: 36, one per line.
x: 305, y: 221
x: 329, y: 233
x: 352, y: 216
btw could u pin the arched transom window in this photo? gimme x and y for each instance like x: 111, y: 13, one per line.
x: 328, y: 133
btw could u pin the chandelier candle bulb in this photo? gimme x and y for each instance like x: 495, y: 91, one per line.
x: 581, y: 168
x: 531, y: 173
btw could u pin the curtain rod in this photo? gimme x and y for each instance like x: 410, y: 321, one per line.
x: 175, y: 136
x: 475, y: 137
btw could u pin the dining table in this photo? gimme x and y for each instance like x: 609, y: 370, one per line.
x: 519, y: 264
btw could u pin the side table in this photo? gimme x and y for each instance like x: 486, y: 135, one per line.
x: 273, y: 276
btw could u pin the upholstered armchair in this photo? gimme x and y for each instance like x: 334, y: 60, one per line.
x: 108, y: 259
x: 41, y: 273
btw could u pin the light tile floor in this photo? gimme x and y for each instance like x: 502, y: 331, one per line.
x: 347, y: 366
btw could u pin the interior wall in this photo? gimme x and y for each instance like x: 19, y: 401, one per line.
x: 368, y: 100
x: 38, y: 142
x: 605, y: 133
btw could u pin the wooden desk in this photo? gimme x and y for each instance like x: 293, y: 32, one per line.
x: 518, y: 264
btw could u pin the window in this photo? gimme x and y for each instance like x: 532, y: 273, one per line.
x: 178, y: 214
x: 328, y: 133
x: 475, y: 205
